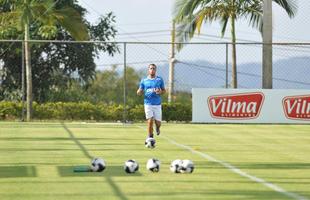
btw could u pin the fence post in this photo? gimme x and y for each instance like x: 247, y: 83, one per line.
x: 171, y: 65
x: 125, y: 87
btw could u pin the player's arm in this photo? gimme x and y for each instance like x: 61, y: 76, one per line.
x: 140, y: 91
x: 141, y: 88
x: 162, y: 89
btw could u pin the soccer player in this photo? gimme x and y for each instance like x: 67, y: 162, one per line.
x: 152, y: 86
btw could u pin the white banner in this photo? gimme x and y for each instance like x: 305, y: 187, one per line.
x: 250, y: 106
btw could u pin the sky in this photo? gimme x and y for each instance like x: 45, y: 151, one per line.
x: 150, y: 21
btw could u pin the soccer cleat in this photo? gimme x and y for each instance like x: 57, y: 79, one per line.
x: 157, y: 131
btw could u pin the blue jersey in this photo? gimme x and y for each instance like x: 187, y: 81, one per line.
x: 148, y: 85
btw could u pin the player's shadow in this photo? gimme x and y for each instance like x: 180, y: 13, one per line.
x: 17, y: 171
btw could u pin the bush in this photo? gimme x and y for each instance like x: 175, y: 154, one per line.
x: 136, y: 113
x: 88, y: 111
x: 177, y: 112
x: 10, y: 110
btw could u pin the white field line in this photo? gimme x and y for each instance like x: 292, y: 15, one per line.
x: 235, y: 169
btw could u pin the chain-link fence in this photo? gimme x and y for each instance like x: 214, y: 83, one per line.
x: 109, y: 73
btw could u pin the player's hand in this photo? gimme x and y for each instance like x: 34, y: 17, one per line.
x: 139, y: 92
x: 158, y: 91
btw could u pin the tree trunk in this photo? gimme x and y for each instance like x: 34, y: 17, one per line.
x: 23, y: 82
x: 171, y: 65
x: 267, y: 45
x: 234, y: 57
x: 28, y: 73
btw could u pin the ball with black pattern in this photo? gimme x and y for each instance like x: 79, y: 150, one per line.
x: 97, y: 165
x: 131, y: 166
x: 176, y: 166
x: 153, y: 165
x: 150, y: 143
x: 187, y: 166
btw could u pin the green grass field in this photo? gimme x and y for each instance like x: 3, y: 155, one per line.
x: 232, y: 161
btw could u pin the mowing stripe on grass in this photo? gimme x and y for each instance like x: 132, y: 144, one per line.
x: 113, y: 185
x: 234, y: 169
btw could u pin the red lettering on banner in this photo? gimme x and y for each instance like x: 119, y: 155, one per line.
x: 297, y: 107
x: 236, y: 106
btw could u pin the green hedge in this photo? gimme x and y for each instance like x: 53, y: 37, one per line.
x: 88, y: 111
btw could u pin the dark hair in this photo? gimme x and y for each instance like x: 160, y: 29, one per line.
x: 152, y: 64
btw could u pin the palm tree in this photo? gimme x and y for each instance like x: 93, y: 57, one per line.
x: 190, y: 14
x: 23, y: 13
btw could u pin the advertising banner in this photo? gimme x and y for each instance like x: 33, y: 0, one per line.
x: 250, y: 106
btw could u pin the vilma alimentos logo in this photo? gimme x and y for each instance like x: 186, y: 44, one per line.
x: 297, y: 107
x: 236, y: 106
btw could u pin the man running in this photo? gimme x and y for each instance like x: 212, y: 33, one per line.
x: 152, y: 86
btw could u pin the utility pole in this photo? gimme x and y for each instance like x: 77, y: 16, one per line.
x: 23, y: 82
x: 267, y: 45
x: 171, y: 64
x: 125, y: 85
x: 28, y: 71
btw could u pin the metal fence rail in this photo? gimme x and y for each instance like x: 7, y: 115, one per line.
x: 99, y: 77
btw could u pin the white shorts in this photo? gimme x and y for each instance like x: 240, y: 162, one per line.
x: 153, y: 111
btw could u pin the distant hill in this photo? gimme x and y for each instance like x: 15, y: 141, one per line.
x: 292, y: 73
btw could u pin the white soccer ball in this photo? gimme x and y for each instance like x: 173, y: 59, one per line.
x: 150, y: 143
x: 176, y: 166
x: 131, y: 166
x: 153, y: 165
x: 97, y: 165
x: 187, y: 166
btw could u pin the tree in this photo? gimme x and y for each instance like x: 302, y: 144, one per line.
x: 55, y: 65
x: 108, y: 86
x: 190, y: 14
x: 25, y: 12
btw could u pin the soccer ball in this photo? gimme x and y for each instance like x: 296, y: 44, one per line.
x: 131, y: 166
x: 187, y: 166
x: 97, y: 165
x: 150, y: 143
x: 153, y: 165
x: 176, y: 166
